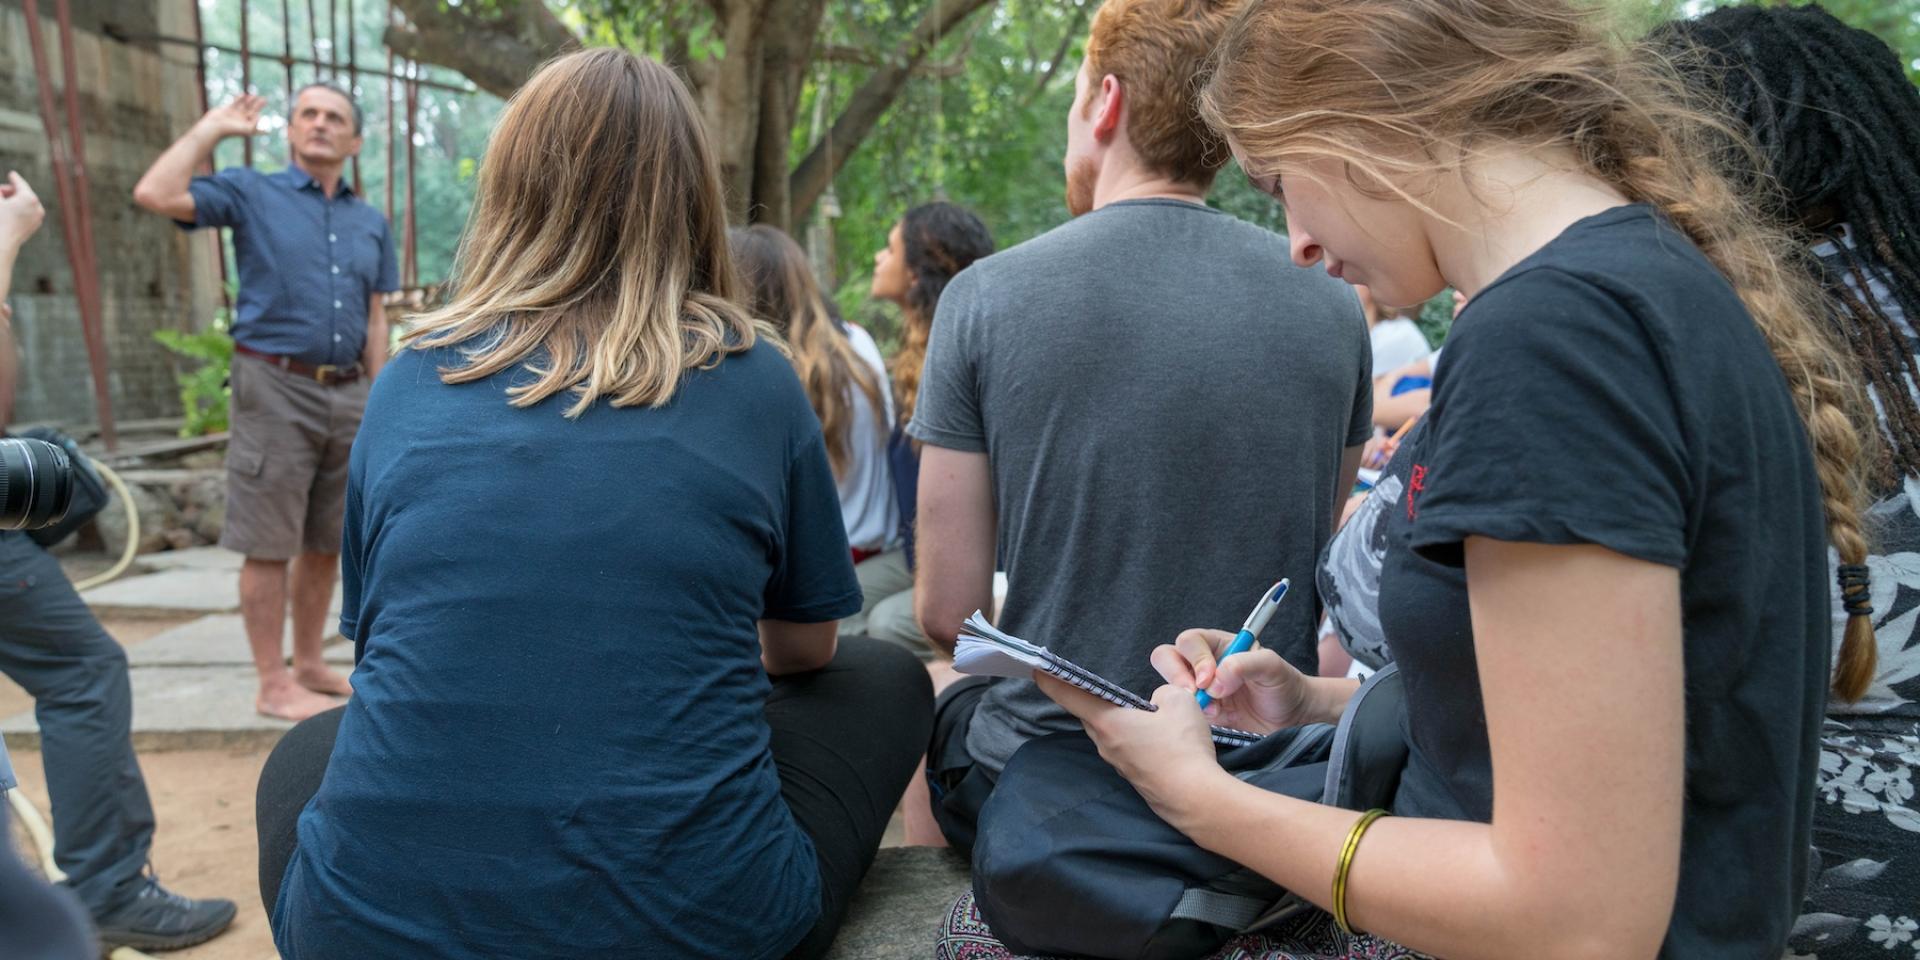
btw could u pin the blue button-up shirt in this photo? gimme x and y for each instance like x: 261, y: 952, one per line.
x: 308, y: 263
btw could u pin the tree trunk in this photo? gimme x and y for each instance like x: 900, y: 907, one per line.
x: 748, y: 95
x: 786, y: 56
x: 497, y: 48
x: 731, y: 101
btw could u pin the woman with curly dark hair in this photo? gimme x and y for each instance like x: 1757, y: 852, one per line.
x: 927, y: 248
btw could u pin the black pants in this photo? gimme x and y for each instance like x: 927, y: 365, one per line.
x: 51, y: 645
x: 845, y: 739
x: 957, y: 786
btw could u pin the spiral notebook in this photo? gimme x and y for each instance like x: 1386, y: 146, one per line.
x: 985, y: 651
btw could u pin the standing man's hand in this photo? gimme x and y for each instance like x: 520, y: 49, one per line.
x: 165, y: 188
x: 240, y: 117
x: 20, y: 212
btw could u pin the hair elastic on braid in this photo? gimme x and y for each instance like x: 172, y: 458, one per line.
x: 1855, y: 595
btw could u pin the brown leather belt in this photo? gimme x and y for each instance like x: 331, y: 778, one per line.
x: 325, y: 374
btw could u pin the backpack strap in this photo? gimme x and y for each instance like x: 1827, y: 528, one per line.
x: 1228, y: 911
x: 1369, y: 744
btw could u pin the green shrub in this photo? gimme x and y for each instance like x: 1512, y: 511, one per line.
x: 203, y: 389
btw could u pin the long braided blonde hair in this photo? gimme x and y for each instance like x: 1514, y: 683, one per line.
x: 1389, y: 86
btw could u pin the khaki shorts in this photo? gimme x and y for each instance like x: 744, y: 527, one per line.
x: 287, y: 460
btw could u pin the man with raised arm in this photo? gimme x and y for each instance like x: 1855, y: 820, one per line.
x: 309, y: 333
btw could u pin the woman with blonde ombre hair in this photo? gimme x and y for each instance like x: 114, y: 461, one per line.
x: 1640, y: 446
x: 592, y: 567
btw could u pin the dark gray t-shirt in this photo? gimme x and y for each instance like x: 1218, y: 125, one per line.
x: 1163, y: 399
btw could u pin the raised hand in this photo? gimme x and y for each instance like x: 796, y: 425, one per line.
x: 240, y: 117
x: 20, y: 211
x: 1255, y: 690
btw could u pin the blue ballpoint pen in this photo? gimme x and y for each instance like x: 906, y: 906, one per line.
x: 1256, y: 622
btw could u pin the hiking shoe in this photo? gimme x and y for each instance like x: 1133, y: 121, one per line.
x: 159, y: 919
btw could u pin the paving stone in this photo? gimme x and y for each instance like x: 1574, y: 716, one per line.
x: 193, y: 558
x: 901, y: 903
x: 181, y: 590
x: 217, y: 640
x: 169, y: 591
x: 180, y: 708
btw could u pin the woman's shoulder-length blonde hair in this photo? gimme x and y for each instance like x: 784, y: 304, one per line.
x: 596, y: 253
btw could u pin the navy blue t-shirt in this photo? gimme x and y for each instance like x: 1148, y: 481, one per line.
x: 557, y: 744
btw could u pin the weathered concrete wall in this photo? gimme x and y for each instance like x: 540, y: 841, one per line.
x: 136, y: 96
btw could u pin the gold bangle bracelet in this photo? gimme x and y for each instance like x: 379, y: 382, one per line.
x: 1346, y: 863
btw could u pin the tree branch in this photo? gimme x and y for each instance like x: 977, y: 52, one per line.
x: 855, y: 56
x: 1060, y: 53
x: 497, y: 48
x: 871, y: 100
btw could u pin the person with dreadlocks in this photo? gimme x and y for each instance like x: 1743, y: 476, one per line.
x: 1837, y: 122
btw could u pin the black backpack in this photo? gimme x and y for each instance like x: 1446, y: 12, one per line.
x: 1070, y: 861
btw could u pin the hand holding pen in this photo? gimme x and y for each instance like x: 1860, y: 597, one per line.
x: 1250, y: 630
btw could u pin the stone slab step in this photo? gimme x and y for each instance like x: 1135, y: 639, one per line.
x: 216, y: 641
x: 192, y: 558
x: 901, y: 903
x: 187, y: 589
x: 180, y: 708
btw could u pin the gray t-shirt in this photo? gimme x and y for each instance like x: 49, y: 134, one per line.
x: 1163, y: 399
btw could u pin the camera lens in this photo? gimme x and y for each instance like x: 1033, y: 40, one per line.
x: 36, y: 484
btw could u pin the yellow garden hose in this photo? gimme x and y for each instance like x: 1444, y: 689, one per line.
x: 132, y: 546
x: 41, y: 837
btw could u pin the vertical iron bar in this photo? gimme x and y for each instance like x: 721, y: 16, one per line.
x: 69, y: 180
x: 313, y: 40
x: 413, y: 230
x: 246, y: 78
x: 353, y: 89
x: 392, y: 144
x: 200, y: 71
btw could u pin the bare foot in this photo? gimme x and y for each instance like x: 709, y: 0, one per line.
x: 323, y: 679
x: 290, y: 701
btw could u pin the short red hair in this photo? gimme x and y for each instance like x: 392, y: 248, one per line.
x: 1158, y: 49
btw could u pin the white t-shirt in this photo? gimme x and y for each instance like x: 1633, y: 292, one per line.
x: 1397, y: 341
x: 866, y: 489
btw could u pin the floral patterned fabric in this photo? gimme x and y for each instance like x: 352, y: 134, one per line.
x: 1865, y: 901
x: 1309, y: 936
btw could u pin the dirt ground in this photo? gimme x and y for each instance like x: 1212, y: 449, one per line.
x: 204, y: 843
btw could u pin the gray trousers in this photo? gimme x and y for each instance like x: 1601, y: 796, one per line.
x: 51, y: 645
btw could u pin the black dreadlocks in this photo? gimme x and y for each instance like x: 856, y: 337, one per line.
x: 1832, y: 111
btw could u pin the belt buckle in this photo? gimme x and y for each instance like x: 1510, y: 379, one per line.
x: 325, y: 372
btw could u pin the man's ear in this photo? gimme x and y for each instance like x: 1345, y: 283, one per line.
x: 1107, y: 111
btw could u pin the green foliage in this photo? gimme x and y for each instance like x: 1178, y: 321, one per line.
x: 982, y: 123
x: 1895, y: 21
x: 984, y: 126
x: 1435, y: 318
x: 203, y: 390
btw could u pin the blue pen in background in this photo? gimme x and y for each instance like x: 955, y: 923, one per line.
x: 1249, y: 631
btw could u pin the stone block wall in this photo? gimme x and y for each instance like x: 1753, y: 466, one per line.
x: 136, y: 95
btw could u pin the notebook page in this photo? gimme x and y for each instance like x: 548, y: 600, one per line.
x: 986, y: 651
